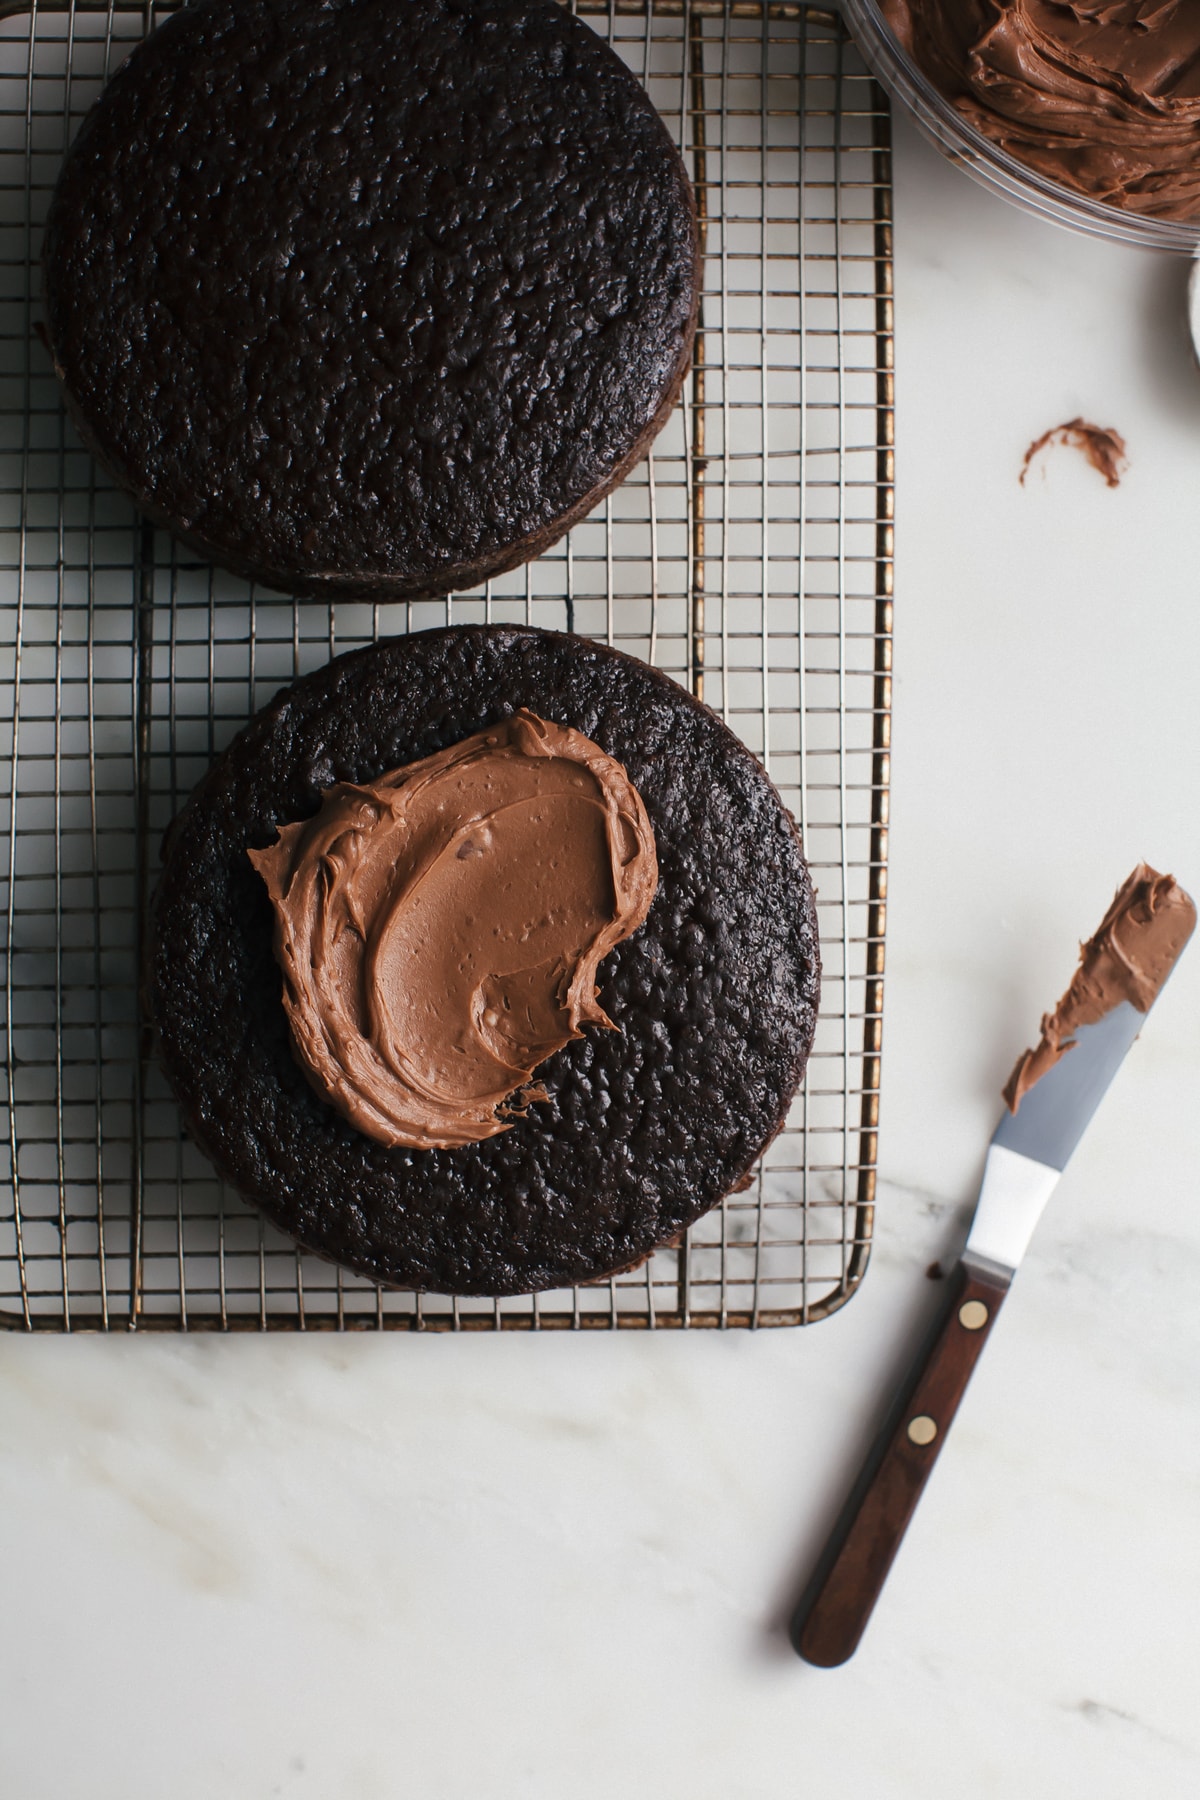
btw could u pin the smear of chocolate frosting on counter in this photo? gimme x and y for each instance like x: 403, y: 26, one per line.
x: 1129, y: 958
x: 1102, y: 96
x: 1103, y: 447
x: 440, y: 929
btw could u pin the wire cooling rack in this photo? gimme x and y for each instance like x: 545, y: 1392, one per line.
x: 750, y: 557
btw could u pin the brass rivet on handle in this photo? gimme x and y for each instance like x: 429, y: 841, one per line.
x: 922, y: 1429
x: 972, y: 1315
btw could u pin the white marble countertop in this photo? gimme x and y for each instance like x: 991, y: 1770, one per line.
x: 535, y: 1569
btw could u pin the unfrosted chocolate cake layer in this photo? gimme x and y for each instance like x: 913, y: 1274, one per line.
x: 371, y: 296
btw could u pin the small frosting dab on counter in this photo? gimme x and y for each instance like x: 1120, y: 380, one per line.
x: 440, y: 929
x: 1129, y: 958
x: 1101, y: 96
x: 1103, y: 447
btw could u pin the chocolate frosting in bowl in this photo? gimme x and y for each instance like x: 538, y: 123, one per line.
x: 440, y: 929
x: 1129, y: 958
x: 1102, y: 96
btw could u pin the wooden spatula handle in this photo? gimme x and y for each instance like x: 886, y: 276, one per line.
x: 839, y: 1599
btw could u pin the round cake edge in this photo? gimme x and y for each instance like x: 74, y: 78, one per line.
x: 366, y: 583
x: 260, y: 1197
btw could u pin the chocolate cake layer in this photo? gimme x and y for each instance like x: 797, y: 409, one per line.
x: 371, y: 296
x: 643, y: 1128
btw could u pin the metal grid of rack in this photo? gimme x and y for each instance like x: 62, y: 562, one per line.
x: 750, y: 557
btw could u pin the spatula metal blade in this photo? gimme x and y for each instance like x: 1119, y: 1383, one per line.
x: 1056, y: 1111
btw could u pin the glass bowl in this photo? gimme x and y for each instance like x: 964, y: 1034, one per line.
x: 992, y: 166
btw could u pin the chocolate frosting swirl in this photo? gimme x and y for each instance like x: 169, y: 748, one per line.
x: 440, y: 929
x: 1129, y: 958
x: 1102, y: 96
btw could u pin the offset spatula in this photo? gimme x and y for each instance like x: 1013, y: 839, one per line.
x: 1053, y: 1092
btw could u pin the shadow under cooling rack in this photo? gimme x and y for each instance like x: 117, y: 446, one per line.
x: 750, y: 558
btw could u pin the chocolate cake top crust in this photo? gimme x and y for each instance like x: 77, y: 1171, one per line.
x: 371, y: 295
x: 644, y: 1127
